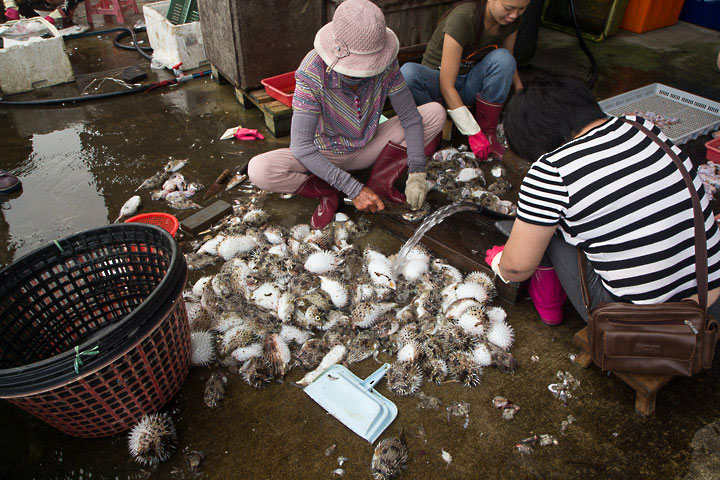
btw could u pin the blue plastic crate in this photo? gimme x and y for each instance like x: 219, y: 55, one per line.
x: 705, y: 13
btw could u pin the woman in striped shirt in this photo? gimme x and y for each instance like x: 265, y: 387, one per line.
x: 603, y: 185
x: 340, y: 91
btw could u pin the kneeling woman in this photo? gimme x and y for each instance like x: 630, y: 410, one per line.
x: 469, y: 61
x: 603, y: 185
x: 341, y: 87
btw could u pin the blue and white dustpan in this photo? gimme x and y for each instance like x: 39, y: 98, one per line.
x: 354, y: 401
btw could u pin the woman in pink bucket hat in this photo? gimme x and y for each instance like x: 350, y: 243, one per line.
x: 341, y: 88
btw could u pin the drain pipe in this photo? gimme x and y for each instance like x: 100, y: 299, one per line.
x: 97, y: 96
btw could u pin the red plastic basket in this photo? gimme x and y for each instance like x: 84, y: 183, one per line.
x: 713, y: 150
x: 162, y: 220
x: 115, y: 291
x: 281, y: 87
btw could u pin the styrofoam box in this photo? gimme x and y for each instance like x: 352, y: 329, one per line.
x: 34, y: 64
x: 173, y: 44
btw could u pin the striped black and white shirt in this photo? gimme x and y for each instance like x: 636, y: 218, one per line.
x: 614, y: 192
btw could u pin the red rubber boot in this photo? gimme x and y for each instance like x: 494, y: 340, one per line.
x: 487, y: 115
x: 390, y: 164
x: 315, y: 187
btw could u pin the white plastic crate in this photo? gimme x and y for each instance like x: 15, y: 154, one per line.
x: 697, y: 115
x: 41, y: 62
x: 173, y: 44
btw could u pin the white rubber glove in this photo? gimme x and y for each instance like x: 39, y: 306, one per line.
x: 464, y: 121
x: 415, y: 189
x: 496, y: 266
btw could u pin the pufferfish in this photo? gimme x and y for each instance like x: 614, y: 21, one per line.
x: 365, y: 314
x: 389, y: 458
x: 153, y: 439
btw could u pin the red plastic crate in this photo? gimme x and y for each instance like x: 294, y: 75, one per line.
x: 281, y: 87
x: 713, y: 150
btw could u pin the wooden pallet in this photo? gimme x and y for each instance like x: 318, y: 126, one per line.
x: 462, y: 240
x: 277, y: 114
x: 645, y: 386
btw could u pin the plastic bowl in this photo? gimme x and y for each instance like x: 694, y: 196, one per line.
x: 281, y: 87
x: 161, y: 219
x: 713, y: 150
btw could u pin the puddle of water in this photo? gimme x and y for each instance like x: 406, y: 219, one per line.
x: 60, y: 195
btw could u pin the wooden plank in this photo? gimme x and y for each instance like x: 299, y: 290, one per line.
x: 278, y: 116
x: 515, y: 168
x: 202, y: 219
x: 645, y: 384
x: 645, y: 404
x: 260, y: 96
x: 243, y: 100
x: 461, y: 243
x: 447, y: 130
x: 581, y: 340
x: 279, y: 126
x: 217, y: 75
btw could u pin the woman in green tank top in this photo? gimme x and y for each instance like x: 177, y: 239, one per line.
x: 469, y: 60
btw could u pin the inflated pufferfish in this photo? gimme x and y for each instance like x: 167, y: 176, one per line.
x: 153, y: 439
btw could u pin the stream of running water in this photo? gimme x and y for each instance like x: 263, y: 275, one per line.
x: 430, y: 221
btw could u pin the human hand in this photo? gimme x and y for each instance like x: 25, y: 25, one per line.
x: 368, y: 201
x: 248, y: 134
x: 415, y: 189
x: 479, y: 145
x: 12, y: 14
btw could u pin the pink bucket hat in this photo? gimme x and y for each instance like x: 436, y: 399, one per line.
x: 357, y: 43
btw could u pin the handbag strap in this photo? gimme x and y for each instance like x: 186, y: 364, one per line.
x: 701, y: 259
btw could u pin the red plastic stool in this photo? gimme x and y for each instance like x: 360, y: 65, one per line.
x: 109, y: 7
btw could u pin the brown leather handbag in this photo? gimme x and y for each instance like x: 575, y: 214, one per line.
x: 673, y: 338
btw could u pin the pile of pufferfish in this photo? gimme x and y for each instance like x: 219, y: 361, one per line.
x: 286, y: 297
x: 300, y: 298
x: 456, y: 173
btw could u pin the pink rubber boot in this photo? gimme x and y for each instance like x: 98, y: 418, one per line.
x: 547, y: 294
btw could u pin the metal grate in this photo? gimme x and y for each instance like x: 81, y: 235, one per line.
x: 697, y: 115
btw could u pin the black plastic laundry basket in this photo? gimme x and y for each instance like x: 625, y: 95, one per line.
x: 93, y: 328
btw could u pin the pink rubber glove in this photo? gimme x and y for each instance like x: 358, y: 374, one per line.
x: 479, y: 145
x: 12, y: 14
x: 248, y: 134
x: 490, y: 254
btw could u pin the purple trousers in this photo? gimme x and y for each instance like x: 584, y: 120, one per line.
x: 279, y: 171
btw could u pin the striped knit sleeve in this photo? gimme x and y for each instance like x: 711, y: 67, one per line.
x: 394, y: 81
x: 308, y: 83
x: 543, y: 196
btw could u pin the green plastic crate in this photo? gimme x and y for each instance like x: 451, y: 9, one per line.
x: 183, y: 11
x: 598, y: 19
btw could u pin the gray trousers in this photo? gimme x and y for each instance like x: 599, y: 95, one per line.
x: 563, y: 257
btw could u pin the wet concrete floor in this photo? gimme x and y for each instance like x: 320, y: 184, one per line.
x: 80, y: 163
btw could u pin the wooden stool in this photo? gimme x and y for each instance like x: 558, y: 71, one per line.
x: 645, y: 386
x: 109, y: 7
